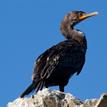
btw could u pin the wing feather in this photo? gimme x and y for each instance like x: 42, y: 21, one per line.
x: 47, y: 62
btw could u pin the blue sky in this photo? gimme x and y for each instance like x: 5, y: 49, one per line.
x: 29, y: 27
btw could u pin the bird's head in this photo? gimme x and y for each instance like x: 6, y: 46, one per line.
x: 77, y: 16
x: 70, y: 20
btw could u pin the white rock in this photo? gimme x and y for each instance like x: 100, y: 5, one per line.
x: 48, y: 98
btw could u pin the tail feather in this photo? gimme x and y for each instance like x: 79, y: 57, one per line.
x: 30, y: 88
x: 38, y: 85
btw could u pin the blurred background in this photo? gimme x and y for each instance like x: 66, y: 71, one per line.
x: 29, y: 27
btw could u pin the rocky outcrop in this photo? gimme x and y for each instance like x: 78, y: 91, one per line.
x: 48, y: 98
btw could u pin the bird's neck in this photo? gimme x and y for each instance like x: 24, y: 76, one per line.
x: 70, y: 33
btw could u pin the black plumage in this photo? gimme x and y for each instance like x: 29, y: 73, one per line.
x: 57, y: 64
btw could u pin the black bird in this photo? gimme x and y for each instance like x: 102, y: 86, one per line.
x: 57, y: 64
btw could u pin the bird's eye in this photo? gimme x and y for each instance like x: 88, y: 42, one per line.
x: 80, y: 14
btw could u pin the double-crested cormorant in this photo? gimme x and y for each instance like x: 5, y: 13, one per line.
x: 57, y: 64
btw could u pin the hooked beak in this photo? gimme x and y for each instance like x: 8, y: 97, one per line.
x: 85, y: 16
